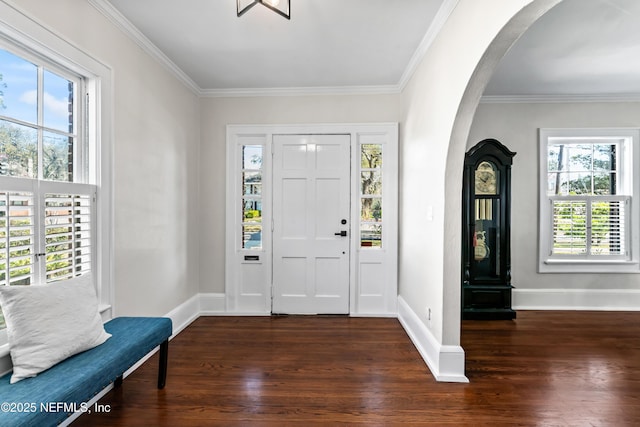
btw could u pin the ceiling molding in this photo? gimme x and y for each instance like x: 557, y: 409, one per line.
x: 556, y: 99
x: 438, y: 22
x: 119, y: 20
x: 301, y: 91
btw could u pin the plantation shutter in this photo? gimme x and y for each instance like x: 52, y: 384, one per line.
x: 67, y: 235
x: 17, y: 238
x: 590, y: 226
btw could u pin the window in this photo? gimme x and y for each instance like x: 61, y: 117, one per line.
x: 371, y: 195
x: 251, y: 197
x: 586, y: 199
x: 47, y: 196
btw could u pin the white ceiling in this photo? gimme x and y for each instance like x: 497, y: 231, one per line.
x: 588, y: 48
x: 581, y: 48
x: 326, y: 44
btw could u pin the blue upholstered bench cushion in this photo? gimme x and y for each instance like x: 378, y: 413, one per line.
x: 79, y: 378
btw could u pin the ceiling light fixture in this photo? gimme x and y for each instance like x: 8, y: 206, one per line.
x: 281, y: 7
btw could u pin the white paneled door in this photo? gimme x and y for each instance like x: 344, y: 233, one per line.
x: 311, y: 229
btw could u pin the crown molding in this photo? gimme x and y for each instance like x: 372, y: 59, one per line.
x: 301, y: 91
x: 557, y: 99
x: 119, y: 20
x: 438, y: 22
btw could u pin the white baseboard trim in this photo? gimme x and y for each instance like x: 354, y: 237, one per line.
x: 446, y: 362
x: 212, y: 304
x: 577, y: 299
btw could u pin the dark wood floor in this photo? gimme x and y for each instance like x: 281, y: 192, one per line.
x: 544, y: 368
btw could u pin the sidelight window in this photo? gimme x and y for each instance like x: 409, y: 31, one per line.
x: 252, y: 179
x: 371, y: 220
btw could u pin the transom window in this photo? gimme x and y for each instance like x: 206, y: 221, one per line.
x: 586, y: 196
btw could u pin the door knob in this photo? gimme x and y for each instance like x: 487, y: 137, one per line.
x: 343, y: 233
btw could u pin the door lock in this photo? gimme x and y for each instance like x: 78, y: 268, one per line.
x: 343, y: 233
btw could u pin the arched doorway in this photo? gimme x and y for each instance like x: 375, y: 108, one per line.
x: 440, y: 101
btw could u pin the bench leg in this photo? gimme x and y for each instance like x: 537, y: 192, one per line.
x: 117, y: 382
x: 162, y: 366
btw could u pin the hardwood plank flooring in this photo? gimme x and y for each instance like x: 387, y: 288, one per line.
x: 544, y: 368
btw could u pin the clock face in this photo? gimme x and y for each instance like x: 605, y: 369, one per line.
x: 486, y: 179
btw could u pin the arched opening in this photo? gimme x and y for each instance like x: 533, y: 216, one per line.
x: 551, y: 291
x: 513, y: 29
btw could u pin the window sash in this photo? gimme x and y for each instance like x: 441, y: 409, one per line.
x: 590, y: 227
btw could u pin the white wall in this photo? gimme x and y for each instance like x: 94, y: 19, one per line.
x: 219, y: 112
x: 155, y: 167
x: 516, y: 126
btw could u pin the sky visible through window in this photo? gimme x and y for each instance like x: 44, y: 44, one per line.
x: 19, y: 93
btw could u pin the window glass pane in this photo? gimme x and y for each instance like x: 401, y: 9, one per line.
x: 57, y: 108
x: 252, y: 236
x: 252, y: 183
x: 553, y: 157
x: 18, y: 88
x: 553, y: 184
x: 251, y: 157
x: 18, y: 150
x: 569, y: 227
x: 604, y: 157
x: 608, y: 228
x: 580, y: 157
x: 370, y: 209
x: 371, y: 183
x: 57, y: 157
x: 604, y: 183
x: 580, y: 183
x: 371, y: 235
x: 252, y: 211
x: 371, y: 156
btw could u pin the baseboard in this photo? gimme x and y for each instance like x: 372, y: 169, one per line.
x: 577, y: 299
x: 212, y: 304
x: 446, y: 362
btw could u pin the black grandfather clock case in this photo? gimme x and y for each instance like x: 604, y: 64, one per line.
x: 486, y: 232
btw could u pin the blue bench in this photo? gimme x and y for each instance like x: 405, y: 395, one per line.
x: 53, y: 395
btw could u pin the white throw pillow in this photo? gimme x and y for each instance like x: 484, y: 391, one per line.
x: 49, y: 323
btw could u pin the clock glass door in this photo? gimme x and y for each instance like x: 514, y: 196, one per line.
x: 486, y: 237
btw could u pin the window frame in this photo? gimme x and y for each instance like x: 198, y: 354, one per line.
x: 21, y: 33
x: 628, y: 172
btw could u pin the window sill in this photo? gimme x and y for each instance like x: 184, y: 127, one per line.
x: 588, y: 266
x: 590, y: 262
x: 4, y: 350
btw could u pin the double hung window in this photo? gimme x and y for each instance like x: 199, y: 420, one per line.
x: 587, y: 199
x: 47, y: 192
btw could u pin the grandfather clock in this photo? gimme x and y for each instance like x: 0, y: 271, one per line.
x: 486, y: 225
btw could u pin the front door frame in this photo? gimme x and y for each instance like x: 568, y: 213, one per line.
x: 373, y: 271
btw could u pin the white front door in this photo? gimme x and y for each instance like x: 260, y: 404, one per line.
x: 311, y: 233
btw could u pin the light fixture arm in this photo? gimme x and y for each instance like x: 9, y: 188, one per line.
x: 284, y: 11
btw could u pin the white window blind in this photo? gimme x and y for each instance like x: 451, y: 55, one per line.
x: 590, y: 227
x: 67, y: 235
x: 17, y: 238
